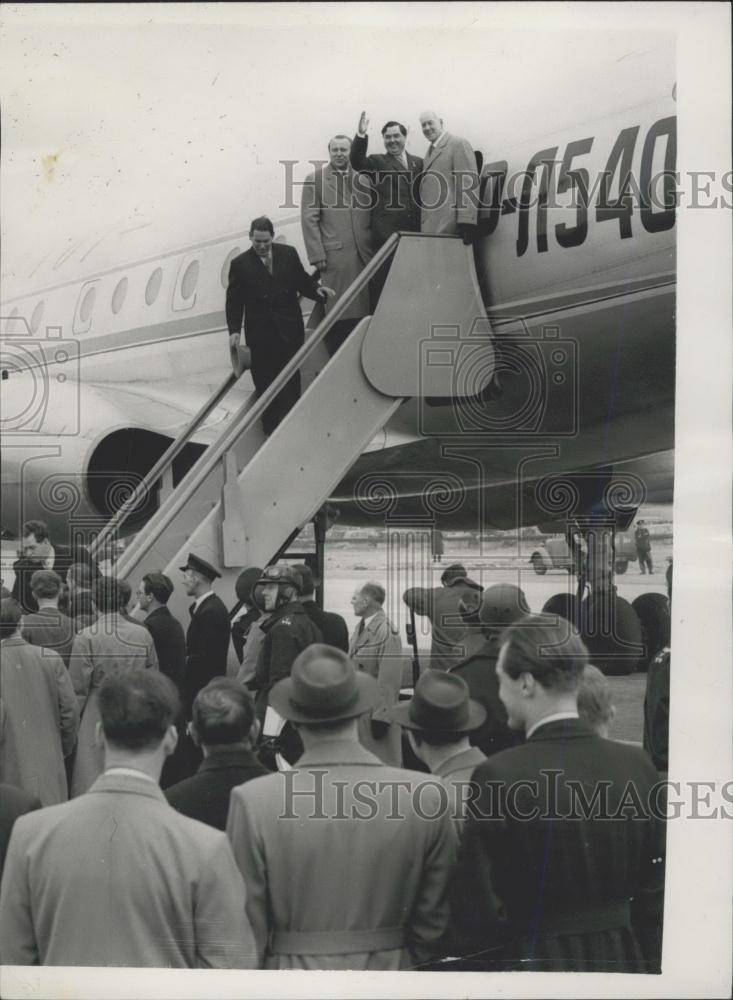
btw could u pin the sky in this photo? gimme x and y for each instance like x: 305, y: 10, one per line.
x: 174, y: 117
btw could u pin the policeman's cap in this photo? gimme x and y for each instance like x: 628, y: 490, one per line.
x: 200, y: 565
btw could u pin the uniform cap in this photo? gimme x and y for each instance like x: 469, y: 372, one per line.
x: 200, y: 565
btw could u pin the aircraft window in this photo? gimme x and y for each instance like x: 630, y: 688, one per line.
x: 87, y: 304
x: 118, y: 295
x: 190, y: 277
x: 153, y: 286
x: 226, y: 265
x: 37, y: 316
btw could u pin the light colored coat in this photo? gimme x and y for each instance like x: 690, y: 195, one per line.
x: 39, y: 720
x: 449, y: 186
x: 329, y: 890
x: 118, y: 877
x: 456, y: 772
x: 335, y: 217
x: 111, y: 645
x: 378, y: 652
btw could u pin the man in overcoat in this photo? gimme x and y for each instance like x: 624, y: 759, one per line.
x: 336, y: 219
x: 111, y: 645
x: 117, y: 877
x: 39, y: 718
x: 264, y: 284
x: 376, y: 649
x: 332, y: 881
x: 561, y: 867
x: 225, y: 728
x: 449, y: 187
x: 452, y: 638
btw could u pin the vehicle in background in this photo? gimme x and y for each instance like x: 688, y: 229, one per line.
x: 553, y: 552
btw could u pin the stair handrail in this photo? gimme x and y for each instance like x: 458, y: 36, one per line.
x: 252, y: 409
x: 172, y: 452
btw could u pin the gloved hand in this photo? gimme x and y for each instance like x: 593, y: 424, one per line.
x: 467, y: 232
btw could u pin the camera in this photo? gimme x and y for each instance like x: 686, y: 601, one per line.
x: 40, y: 380
x: 506, y: 387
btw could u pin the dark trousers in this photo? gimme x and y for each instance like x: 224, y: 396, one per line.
x: 645, y: 561
x: 338, y: 334
x: 265, y: 369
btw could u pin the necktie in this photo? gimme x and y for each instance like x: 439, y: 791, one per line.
x: 361, y: 627
x: 268, y: 263
x: 192, y: 609
x: 431, y: 149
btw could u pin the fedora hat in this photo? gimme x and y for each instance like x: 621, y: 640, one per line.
x: 323, y: 686
x: 200, y: 566
x: 440, y: 704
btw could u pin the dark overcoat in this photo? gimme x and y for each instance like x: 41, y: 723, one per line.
x: 207, y: 647
x: 579, y: 894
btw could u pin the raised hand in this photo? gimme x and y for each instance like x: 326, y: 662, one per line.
x: 363, y: 124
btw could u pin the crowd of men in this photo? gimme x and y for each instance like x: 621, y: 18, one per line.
x: 160, y: 809
x: 350, y: 207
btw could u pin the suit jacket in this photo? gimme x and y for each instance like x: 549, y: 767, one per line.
x: 50, y: 628
x: 14, y: 802
x: 396, y: 207
x: 273, y: 321
x: 205, y: 795
x: 335, y: 216
x: 581, y: 894
x: 449, y: 170
x: 378, y: 652
x: 332, y: 878
x: 479, y: 672
x: 117, y: 877
x: 452, y: 637
x: 111, y: 645
x: 333, y: 628
x: 207, y: 647
x: 170, y: 644
x: 39, y: 720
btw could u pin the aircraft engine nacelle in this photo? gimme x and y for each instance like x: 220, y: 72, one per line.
x: 73, y: 455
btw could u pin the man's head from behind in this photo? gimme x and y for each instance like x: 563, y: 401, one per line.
x: 594, y: 700
x: 455, y: 573
x: 138, y: 709
x: 395, y: 137
x: 46, y: 586
x: 539, y: 668
x: 10, y: 616
x: 223, y: 714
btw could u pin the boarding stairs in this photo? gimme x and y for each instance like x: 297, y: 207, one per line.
x: 246, y: 498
